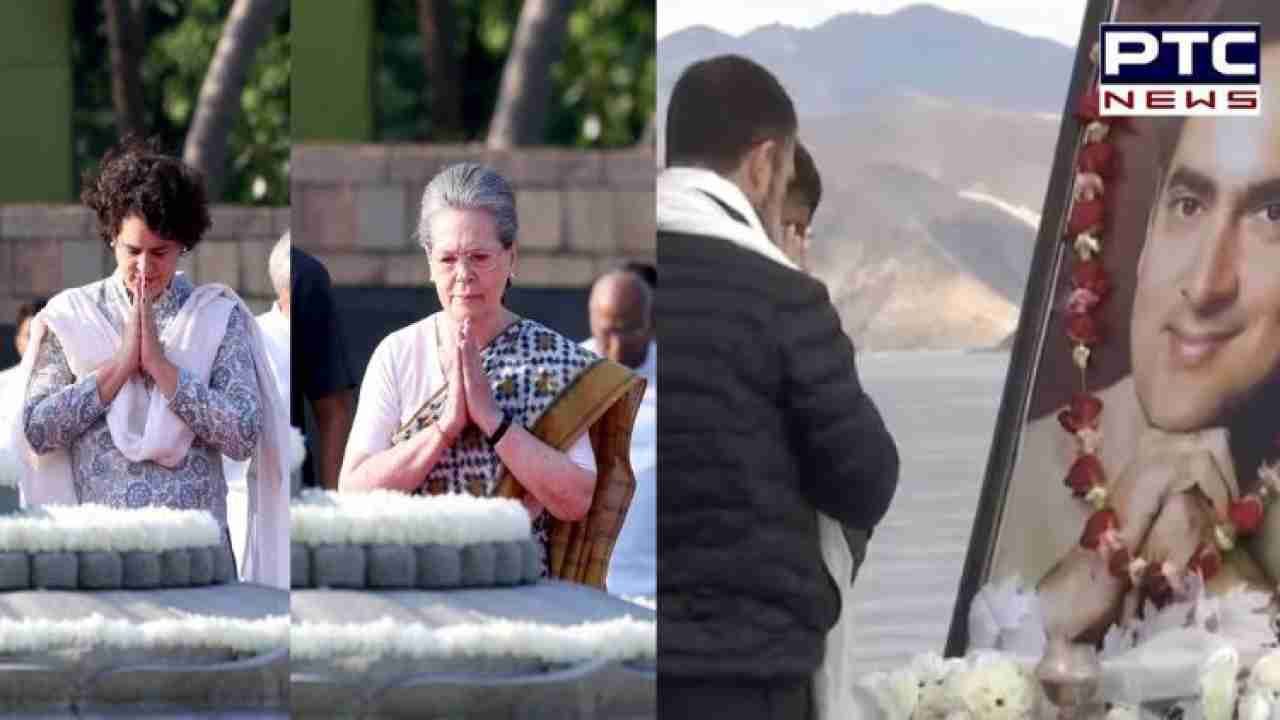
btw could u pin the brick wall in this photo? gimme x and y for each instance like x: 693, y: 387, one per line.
x: 356, y: 208
x: 46, y: 248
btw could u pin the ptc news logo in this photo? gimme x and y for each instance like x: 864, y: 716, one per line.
x: 1180, y: 69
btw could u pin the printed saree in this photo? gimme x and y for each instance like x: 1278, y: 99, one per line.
x: 560, y: 392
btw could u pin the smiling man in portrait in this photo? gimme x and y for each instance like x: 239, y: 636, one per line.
x: 1188, y: 439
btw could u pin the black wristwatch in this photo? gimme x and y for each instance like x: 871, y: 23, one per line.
x: 496, y: 437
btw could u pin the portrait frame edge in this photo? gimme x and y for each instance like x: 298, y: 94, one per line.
x: 1030, y: 336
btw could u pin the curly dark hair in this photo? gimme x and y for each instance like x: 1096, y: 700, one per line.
x: 137, y: 179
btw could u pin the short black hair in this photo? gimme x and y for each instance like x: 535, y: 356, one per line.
x: 647, y: 272
x: 136, y: 179
x: 807, y: 183
x: 27, y: 309
x: 720, y: 108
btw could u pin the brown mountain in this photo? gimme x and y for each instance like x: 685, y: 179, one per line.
x: 926, y: 227
x: 934, y: 134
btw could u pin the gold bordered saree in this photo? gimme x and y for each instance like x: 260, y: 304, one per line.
x: 560, y: 392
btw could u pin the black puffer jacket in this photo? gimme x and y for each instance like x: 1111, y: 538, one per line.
x: 761, y: 422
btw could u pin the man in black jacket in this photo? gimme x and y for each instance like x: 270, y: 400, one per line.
x: 762, y: 421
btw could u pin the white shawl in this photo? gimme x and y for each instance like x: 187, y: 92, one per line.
x: 683, y: 206
x: 144, y: 428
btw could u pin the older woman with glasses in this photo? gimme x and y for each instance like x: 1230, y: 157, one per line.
x: 476, y: 399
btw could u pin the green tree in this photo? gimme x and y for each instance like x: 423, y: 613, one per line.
x: 179, y: 42
x: 603, y: 83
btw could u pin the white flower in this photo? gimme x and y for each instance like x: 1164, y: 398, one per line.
x: 1090, y: 440
x: 1081, y: 356
x: 896, y: 692
x: 1225, y: 536
x: 297, y: 450
x: 622, y: 638
x: 995, y: 688
x: 1265, y: 674
x: 40, y: 636
x: 1097, y: 496
x: 385, y: 517
x: 1087, y: 245
x: 1122, y: 711
x: 1088, y: 186
x: 62, y: 528
x: 1218, y: 684
x: 931, y: 671
x: 1096, y: 131
x: 1254, y: 706
x: 1269, y: 474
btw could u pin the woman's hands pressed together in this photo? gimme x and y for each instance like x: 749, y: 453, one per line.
x: 454, y: 417
x: 482, y: 408
x: 152, y: 361
x: 140, y: 351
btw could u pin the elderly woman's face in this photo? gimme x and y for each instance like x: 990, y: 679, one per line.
x: 141, y: 254
x: 468, y: 263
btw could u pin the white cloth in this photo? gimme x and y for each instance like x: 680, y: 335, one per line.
x: 1157, y: 658
x: 403, y: 373
x: 275, y: 339
x: 683, y: 206
x: 633, y: 569
x: 10, y: 403
x: 144, y: 428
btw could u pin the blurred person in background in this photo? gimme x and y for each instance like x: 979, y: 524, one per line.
x: 274, y: 325
x: 325, y: 379
x: 10, y: 393
x: 621, y: 314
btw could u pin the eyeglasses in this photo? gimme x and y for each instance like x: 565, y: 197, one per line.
x: 479, y: 260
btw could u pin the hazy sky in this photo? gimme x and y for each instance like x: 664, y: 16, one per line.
x: 1059, y: 20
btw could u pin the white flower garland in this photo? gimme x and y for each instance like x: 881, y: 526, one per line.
x: 622, y: 638
x: 985, y: 686
x: 80, y: 528
x: 391, y: 518
x: 34, y: 636
x: 931, y: 687
x: 644, y: 601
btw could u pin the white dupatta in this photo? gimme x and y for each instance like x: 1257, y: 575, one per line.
x: 144, y: 428
x: 683, y: 206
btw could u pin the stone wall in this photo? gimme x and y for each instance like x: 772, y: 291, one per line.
x: 355, y: 207
x: 46, y: 248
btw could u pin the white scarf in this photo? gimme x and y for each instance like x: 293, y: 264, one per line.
x: 683, y: 206
x: 144, y: 428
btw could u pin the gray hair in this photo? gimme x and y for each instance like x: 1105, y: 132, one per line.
x: 278, y: 264
x: 468, y: 186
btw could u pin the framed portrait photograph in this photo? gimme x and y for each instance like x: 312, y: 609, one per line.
x: 1135, y: 456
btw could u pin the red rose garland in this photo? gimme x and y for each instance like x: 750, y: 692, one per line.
x: 1095, y: 164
